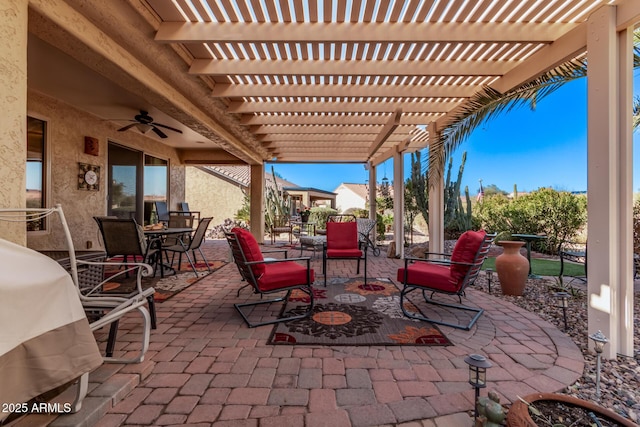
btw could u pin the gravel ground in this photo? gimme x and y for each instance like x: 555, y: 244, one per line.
x: 620, y: 377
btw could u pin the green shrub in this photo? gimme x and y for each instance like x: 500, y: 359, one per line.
x: 559, y: 215
x: 320, y: 215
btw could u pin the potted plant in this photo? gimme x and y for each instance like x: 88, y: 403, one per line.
x: 512, y: 267
x: 304, y: 214
x: 554, y: 409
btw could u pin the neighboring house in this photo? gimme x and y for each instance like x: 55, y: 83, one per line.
x: 349, y: 195
x: 219, y: 191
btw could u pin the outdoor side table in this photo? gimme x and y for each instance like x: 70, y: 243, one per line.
x: 528, y: 239
x: 312, y: 242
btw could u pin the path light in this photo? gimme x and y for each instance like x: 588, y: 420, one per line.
x: 599, y: 341
x: 562, y: 301
x: 478, y: 365
x: 489, y: 273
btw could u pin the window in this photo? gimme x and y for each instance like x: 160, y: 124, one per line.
x: 155, y: 185
x: 36, y: 170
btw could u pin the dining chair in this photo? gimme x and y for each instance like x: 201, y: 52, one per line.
x: 184, y: 210
x: 194, y: 243
x: 281, y: 224
x: 343, y: 243
x: 125, y: 238
x: 162, y: 212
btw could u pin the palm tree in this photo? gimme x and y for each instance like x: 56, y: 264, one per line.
x: 489, y: 103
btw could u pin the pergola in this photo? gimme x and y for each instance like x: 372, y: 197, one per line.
x: 347, y: 81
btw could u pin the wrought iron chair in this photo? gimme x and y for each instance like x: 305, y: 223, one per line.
x: 281, y: 224
x: 194, y: 243
x: 449, y: 276
x: 269, y: 276
x: 574, y: 253
x: 343, y: 242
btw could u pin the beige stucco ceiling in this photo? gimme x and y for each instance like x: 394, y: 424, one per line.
x: 300, y: 81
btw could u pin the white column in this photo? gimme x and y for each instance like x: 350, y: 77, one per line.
x: 436, y: 203
x: 398, y: 202
x: 13, y: 120
x: 373, y: 186
x: 609, y: 183
x: 257, y: 202
x: 625, y: 195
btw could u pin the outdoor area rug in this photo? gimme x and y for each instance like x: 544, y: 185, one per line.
x: 348, y: 312
x: 168, y: 286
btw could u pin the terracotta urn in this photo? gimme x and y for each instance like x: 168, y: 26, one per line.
x: 519, y: 416
x: 512, y: 268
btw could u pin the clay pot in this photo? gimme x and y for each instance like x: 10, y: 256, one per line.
x: 512, y: 268
x: 518, y: 415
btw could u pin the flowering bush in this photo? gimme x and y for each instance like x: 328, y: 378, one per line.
x: 218, y: 231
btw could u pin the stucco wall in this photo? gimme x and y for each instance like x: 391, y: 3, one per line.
x: 212, y: 196
x: 346, y: 199
x: 67, y: 128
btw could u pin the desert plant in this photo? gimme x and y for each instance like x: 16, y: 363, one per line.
x: 457, y: 219
x: 244, y: 213
x: 276, y: 202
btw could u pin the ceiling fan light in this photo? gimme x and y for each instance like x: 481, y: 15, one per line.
x: 143, y: 127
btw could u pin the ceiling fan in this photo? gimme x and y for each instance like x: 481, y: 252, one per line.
x: 144, y: 123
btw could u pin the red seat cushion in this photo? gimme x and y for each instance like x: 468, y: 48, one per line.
x: 431, y: 276
x: 284, y: 274
x: 251, y: 249
x: 342, y: 235
x: 465, y: 250
x: 344, y: 253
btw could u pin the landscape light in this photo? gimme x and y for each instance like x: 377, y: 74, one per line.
x: 478, y: 365
x: 489, y: 273
x: 562, y: 299
x: 599, y: 341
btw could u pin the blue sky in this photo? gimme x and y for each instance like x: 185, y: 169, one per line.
x: 531, y: 149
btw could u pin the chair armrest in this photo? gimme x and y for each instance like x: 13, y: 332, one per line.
x: 272, y: 260
x: 143, y: 270
x: 271, y: 251
x: 427, y: 254
x: 436, y: 261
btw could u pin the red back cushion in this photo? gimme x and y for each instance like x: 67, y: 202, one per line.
x: 342, y: 235
x: 251, y: 249
x: 465, y: 250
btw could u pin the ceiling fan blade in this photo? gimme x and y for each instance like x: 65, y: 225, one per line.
x: 168, y: 127
x: 158, y: 131
x: 127, y: 127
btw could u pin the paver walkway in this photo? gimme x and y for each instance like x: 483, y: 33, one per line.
x: 206, y: 367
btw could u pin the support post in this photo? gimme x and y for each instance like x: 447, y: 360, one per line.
x: 257, y: 202
x: 398, y: 202
x: 436, y: 202
x: 13, y: 120
x: 609, y: 182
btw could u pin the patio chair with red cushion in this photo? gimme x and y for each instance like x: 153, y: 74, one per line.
x: 343, y: 242
x: 269, y: 276
x: 447, y: 276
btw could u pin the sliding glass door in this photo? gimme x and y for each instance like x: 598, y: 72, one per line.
x: 136, y: 181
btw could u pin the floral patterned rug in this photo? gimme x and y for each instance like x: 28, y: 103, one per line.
x: 168, y: 286
x: 348, y: 312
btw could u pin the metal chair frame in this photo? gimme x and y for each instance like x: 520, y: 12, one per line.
x: 246, y: 272
x: 474, y: 268
x: 363, y: 249
x: 112, y: 307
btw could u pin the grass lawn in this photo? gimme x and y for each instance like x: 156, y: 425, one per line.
x: 544, y: 267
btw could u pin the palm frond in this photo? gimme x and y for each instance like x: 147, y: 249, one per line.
x: 489, y: 103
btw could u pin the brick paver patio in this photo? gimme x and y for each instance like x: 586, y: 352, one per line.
x: 206, y: 367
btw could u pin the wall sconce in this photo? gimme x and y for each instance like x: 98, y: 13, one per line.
x: 599, y: 341
x: 562, y: 301
x: 489, y: 274
x: 478, y: 365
